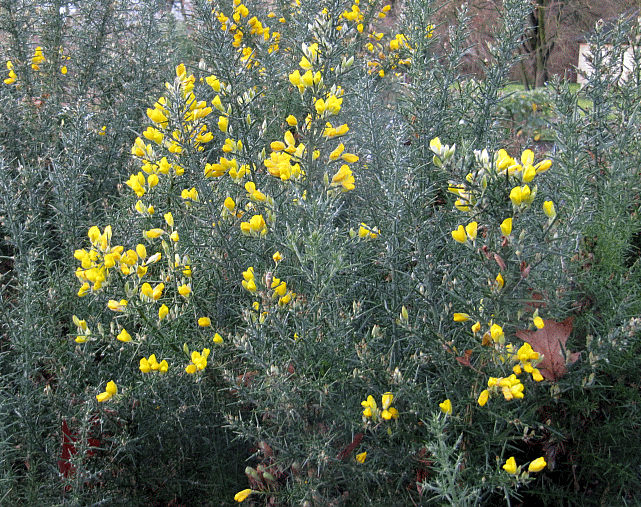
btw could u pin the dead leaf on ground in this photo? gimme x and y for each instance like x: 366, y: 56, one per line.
x: 549, y: 342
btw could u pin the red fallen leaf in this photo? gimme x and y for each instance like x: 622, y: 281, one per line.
x: 499, y: 260
x: 549, y: 342
x: 344, y: 454
x: 69, y: 438
x: 465, y: 358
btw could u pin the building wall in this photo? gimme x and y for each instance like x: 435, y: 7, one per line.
x: 583, y: 64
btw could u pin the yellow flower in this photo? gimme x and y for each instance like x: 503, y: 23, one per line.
x: 344, y: 178
x: 370, y: 406
x: 218, y: 339
x: 141, y: 251
x: 390, y: 413
x: 446, y: 406
x: 277, y: 257
x: 184, y: 290
x: 461, y: 317
x: 521, y: 195
x: 543, y: 166
x: 204, y: 322
x: 110, y: 390
x: 548, y: 209
x: 538, y: 322
x: 242, y: 495
x: 476, y: 327
x: 506, y: 227
x: 471, y: 229
x: 157, y: 292
x: 229, y: 204
x: 162, y: 312
x: 124, y: 336
x: 485, y: 395
x: 361, y: 457
x: 537, y: 465
x: 499, y: 281
x: 153, y: 233
x: 510, y: 466
x: 387, y: 400
x: 497, y: 334
x: 145, y: 366
x: 83, y: 290
x: 291, y: 120
x: 459, y: 234
x: 223, y: 123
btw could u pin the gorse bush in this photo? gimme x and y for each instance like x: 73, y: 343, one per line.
x: 306, y: 270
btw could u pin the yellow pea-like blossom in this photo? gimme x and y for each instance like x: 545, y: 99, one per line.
x: 344, y: 178
x: 110, y: 391
x: 446, y: 406
x: 510, y: 466
x: 241, y: 496
x: 459, y: 234
x: 537, y: 465
x: 497, y: 334
x: 223, y: 123
x: 204, y: 322
x: 124, y: 336
x: 471, y: 230
x: 361, y: 457
x: 506, y: 227
x: 153, y: 233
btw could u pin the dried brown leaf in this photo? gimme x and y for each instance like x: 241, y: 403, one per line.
x: 549, y: 342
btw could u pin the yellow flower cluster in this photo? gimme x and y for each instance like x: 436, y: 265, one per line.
x: 249, y: 281
x: 527, y: 359
x: 388, y: 55
x: 462, y: 234
x: 372, y: 412
x: 12, y: 75
x: 511, y: 388
x: 83, y: 330
x: 367, y: 232
x: 277, y: 287
x: 344, y: 179
x: 151, y: 364
x: 110, y: 391
x: 96, y: 263
x: 198, y: 361
x: 255, y: 227
x: 192, y: 133
x: 535, y: 466
x: 250, y: 34
x: 37, y: 59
